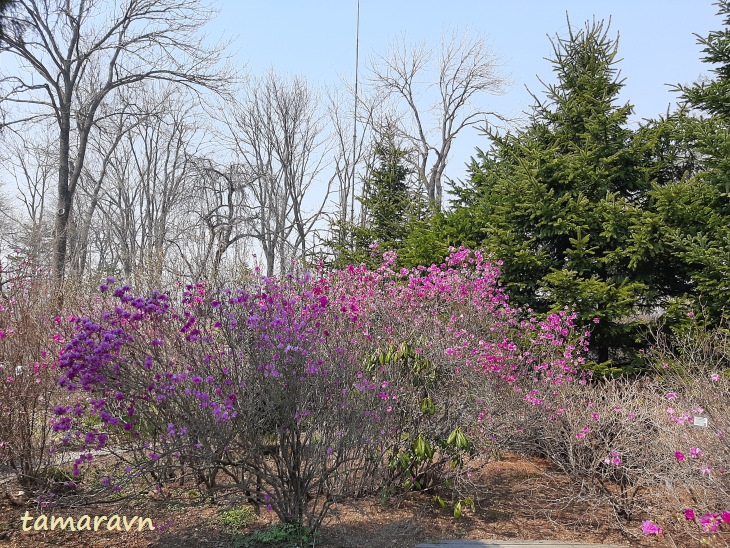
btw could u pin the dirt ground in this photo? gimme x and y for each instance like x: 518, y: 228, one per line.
x: 510, y: 506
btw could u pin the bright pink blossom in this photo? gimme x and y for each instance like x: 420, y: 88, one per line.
x: 650, y: 528
x: 710, y: 523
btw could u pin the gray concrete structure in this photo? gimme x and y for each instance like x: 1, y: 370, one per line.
x: 513, y: 544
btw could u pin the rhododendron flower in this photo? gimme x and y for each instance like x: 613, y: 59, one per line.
x: 679, y: 456
x: 671, y: 396
x: 715, y: 377
x: 725, y: 516
x: 650, y: 528
x: 689, y: 514
x: 710, y: 523
x: 695, y: 452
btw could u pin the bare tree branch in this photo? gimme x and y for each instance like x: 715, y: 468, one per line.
x: 276, y: 134
x: 454, y: 80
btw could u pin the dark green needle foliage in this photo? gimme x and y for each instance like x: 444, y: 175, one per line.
x: 391, y: 206
x: 557, y: 199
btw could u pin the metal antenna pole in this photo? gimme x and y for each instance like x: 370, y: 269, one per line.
x: 354, y: 121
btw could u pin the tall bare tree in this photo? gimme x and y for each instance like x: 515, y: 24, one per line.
x: 452, y: 81
x: 351, y: 150
x: 31, y: 163
x: 277, y: 136
x: 221, y: 207
x: 147, y: 183
x: 72, y: 55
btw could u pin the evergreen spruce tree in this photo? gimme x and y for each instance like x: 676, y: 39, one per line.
x: 556, y: 200
x: 702, y: 231
x: 391, y: 205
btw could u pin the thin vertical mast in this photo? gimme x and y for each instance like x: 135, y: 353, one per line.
x: 354, y: 120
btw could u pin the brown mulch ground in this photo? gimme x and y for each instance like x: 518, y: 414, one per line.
x: 510, y: 506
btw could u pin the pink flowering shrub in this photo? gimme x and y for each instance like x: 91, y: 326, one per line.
x: 30, y: 337
x: 601, y: 435
x: 482, y: 359
x: 693, y: 376
x: 639, y: 444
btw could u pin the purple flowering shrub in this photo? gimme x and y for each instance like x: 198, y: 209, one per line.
x: 244, y: 383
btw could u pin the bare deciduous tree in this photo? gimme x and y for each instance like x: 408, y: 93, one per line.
x: 150, y: 184
x: 72, y: 55
x: 463, y: 70
x: 352, y: 149
x: 220, y: 206
x: 277, y: 136
x: 116, y: 120
x: 31, y: 164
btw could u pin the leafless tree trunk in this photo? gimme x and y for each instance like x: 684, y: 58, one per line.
x: 149, y: 184
x: 464, y: 70
x: 347, y: 163
x: 74, y: 54
x: 116, y: 121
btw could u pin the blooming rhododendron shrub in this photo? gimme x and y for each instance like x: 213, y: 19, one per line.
x: 474, y: 360
x: 648, y: 446
x: 243, y: 382
x: 602, y: 435
x: 310, y: 387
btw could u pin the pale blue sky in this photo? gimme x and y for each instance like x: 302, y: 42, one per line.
x: 316, y: 39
